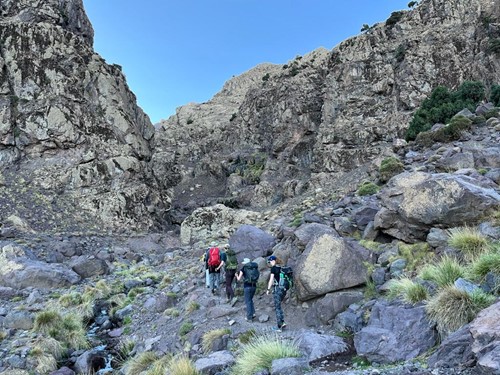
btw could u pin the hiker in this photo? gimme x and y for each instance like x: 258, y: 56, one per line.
x: 250, y: 275
x: 214, y: 265
x: 279, y: 293
x: 230, y: 266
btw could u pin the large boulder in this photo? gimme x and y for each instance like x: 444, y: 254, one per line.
x: 328, y: 264
x: 306, y: 232
x: 214, y: 222
x: 394, y: 333
x: 251, y: 242
x: 316, y: 346
x: 415, y: 202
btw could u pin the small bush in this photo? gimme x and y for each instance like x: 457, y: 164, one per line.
x: 192, y: 306
x: 367, y: 188
x: 259, y: 354
x: 390, y: 167
x: 68, y: 329
x: 494, y: 46
x: 452, y: 308
x: 408, y: 290
x: 495, y: 95
x: 443, y: 273
x: 185, y: 328
x: 468, y: 240
x: 394, y: 18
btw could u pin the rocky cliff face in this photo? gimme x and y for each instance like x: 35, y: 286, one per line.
x: 74, y: 146
x: 326, y: 119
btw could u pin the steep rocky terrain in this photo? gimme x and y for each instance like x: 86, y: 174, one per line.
x: 75, y: 148
x: 325, y: 120
x: 271, y: 165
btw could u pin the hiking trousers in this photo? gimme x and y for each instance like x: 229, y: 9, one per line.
x: 229, y: 283
x: 213, y: 278
x: 279, y: 295
x: 249, y: 292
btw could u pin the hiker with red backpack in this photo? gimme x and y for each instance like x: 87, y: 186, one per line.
x: 214, y: 263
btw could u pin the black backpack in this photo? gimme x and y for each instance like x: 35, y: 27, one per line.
x: 251, y: 273
x: 286, y: 277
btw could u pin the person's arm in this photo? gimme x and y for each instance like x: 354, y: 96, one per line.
x: 270, y: 283
x: 239, y: 275
x: 220, y: 265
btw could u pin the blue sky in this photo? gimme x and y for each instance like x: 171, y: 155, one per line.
x: 174, y: 52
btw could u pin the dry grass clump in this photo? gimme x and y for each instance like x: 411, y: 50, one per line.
x: 444, y: 273
x: 469, y: 241
x: 451, y: 308
x: 148, y: 363
x: 259, y: 354
x: 209, y: 337
x: 68, y: 329
x: 484, y: 264
x: 408, y: 290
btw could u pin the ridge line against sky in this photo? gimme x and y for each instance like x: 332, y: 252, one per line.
x: 176, y: 52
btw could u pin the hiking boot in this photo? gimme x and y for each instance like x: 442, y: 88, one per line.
x: 283, y: 325
x: 249, y: 320
x: 276, y: 329
x: 233, y: 301
x: 213, y: 291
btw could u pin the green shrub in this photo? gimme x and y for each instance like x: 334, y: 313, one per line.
x: 442, y: 105
x: 444, y: 273
x: 390, y: 167
x: 367, y: 188
x: 495, y: 95
x: 494, y: 45
x: 451, y: 132
x: 468, y: 240
x: 260, y: 352
x: 452, y: 308
x: 185, y: 328
x: 394, y: 18
x: 365, y: 27
x: 408, y: 290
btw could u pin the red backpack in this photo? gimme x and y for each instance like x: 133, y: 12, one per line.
x: 214, y: 257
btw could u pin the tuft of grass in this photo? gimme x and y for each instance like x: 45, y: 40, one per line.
x: 468, y: 240
x: 70, y: 299
x: 182, y: 365
x: 140, y: 363
x: 260, y: 352
x: 415, y: 255
x: 390, y: 167
x: 185, y: 328
x: 443, y: 273
x: 367, y: 188
x: 247, y: 336
x: 408, y: 290
x: 370, y: 245
x: 451, y: 308
x: 192, y: 306
x: 68, y: 329
x: 370, y: 290
x: 209, y: 337
x: 484, y: 264
x: 173, y: 312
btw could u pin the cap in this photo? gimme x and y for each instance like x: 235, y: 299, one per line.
x: 213, y: 243
x: 245, y: 261
x: 226, y: 246
x: 272, y: 257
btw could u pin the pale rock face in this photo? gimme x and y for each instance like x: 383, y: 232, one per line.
x: 73, y: 141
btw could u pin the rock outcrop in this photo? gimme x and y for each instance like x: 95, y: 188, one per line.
x: 75, y: 148
x: 327, y: 118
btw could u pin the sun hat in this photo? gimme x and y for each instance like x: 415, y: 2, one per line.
x: 272, y: 257
x: 245, y: 261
